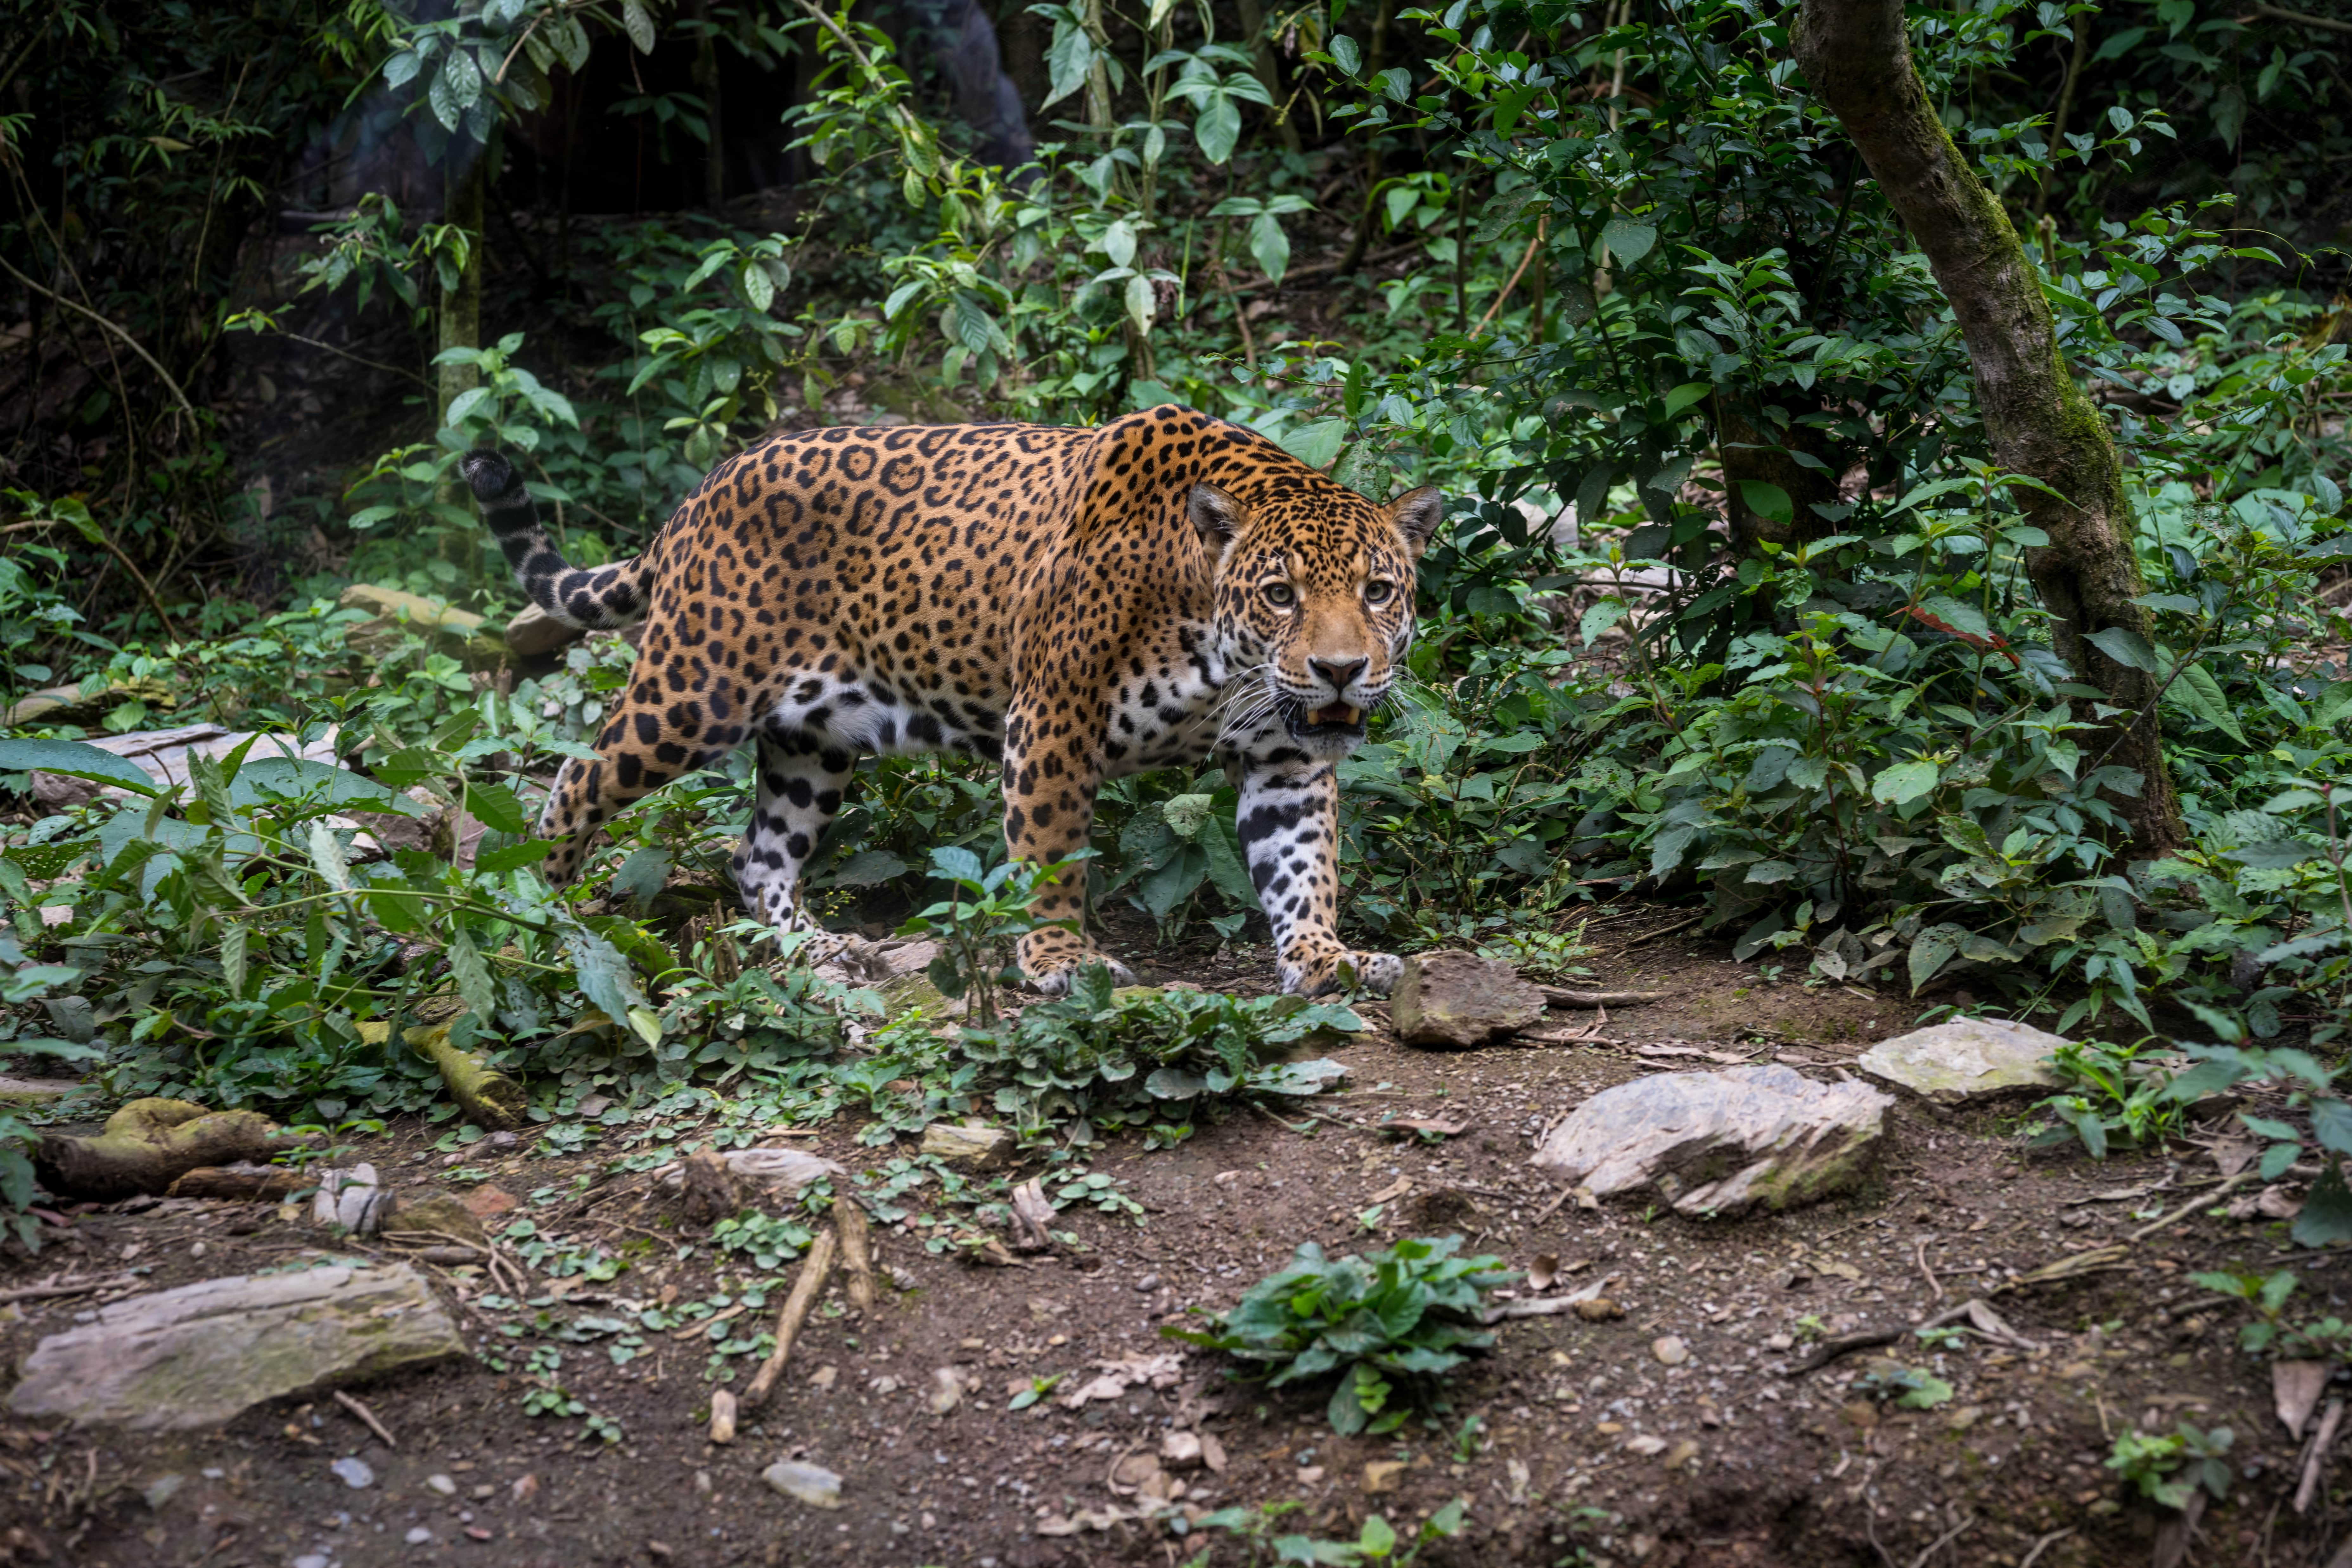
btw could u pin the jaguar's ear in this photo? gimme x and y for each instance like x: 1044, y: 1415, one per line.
x: 1216, y: 517
x: 1417, y: 514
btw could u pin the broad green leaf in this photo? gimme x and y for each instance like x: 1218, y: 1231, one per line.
x: 2327, y: 1216
x: 2127, y: 648
x: 77, y: 759
x: 472, y: 975
x: 1905, y: 782
x: 1628, y: 241
x: 327, y: 855
x: 1217, y: 126
x: 1270, y: 246
x: 1767, y: 501
x: 1316, y: 445
x: 2201, y: 695
x: 640, y: 25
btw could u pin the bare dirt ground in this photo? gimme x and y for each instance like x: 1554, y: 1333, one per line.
x: 1574, y: 1442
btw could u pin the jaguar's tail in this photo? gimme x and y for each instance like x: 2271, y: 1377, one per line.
x: 597, y: 599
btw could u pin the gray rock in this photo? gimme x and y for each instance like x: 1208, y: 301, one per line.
x: 353, y: 1473
x: 535, y: 632
x: 197, y: 1356
x: 812, y: 1484
x: 1967, y: 1062
x: 782, y: 1172
x: 974, y: 1148
x: 35, y: 1090
x: 1459, y: 999
x: 1720, y: 1144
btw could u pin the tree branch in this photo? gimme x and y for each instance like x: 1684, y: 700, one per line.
x: 130, y: 342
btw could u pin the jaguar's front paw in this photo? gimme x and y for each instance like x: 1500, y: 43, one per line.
x: 1321, y: 971
x: 1051, y: 960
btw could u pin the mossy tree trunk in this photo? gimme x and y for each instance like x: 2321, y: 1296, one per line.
x: 1856, y: 56
x: 460, y: 315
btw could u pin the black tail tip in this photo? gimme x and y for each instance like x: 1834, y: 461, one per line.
x: 487, y: 474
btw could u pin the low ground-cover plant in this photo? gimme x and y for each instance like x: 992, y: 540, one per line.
x: 1383, y: 1327
x: 2272, y: 1332
x: 2169, y: 1469
x: 2118, y: 1093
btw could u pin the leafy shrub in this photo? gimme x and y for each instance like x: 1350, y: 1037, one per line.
x: 2271, y: 1332
x: 1410, y: 1312
x: 1104, y: 1056
x: 2170, y: 1469
x: 2114, y: 1091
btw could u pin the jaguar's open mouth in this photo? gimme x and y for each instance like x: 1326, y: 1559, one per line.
x: 1335, y: 715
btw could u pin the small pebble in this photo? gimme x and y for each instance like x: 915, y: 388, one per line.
x: 442, y: 1484
x: 196, y: 1249
x: 356, y: 1473
x: 419, y: 1536
x: 311, y: 1560
x: 1148, y: 1284
x: 1670, y: 1351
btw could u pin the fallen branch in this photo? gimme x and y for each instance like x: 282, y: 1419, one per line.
x: 130, y: 342
x: 364, y: 1413
x: 2144, y: 1232
x: 70, y: 1288
x: 2315, y: 1458
x: 814, y: 1267
x: 856, y: 1252
x: 490, y: 1097
x: 1555, y: 996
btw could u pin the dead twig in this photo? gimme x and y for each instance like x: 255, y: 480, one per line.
x: 856, y: 1252
x: 1941, y: 1541
x: 2144, y: 1232
x: 2314, y: 1459
x: 814, y: 1268
x: 2044, y: 1544
x: 367, y: 1416
x: 66, y: 1288
x: 1661, y: 930
x: 1927, y: 1272
x: 1558, y: 996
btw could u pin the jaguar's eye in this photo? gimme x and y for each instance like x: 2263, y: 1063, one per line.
x: 1377, y: 591
x: 1281, y: 595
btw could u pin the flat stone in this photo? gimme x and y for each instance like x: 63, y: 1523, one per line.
x: 782, y: 1172
x: 1967, y: 1062
x: 812, y: 1484
x: 1720, y: 1144
x: 443, y: 1216
x: 194, y: 1357
x: 35, y: 1090
x: 974, y: 1148
x: 1459, y: 999
x: 535, y: 632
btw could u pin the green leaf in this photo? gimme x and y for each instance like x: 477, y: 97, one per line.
x: 76, y: 760
x: 2201, y: 695
x: 1216, y: 125
x: 1628, y: 241
x: 1378, y: 1540
x: 1316, y: 445
x: 1931, y: 950
x: 472, y: 975
x: 1905, y: 782
x: 605, y: 976
x: 2327, y: 1216
x: 2127, y: 648
x: 1271, y: 247
x: 867, y: 869
x: 327, y: 855
x: 1767, y: 501
x: 497, y: 808
x: 640, y: 25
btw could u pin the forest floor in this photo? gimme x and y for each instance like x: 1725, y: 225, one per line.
x: 1573, y: 1442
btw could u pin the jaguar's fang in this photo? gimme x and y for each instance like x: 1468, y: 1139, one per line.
x: 1337, y: 713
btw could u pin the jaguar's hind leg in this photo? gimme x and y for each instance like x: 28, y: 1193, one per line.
x: 802, y: 776
x: 639, y: 750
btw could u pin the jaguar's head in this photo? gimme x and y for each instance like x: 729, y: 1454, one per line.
x: 1314, y: 600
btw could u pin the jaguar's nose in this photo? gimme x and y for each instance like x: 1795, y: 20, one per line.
x: 1339, y: 672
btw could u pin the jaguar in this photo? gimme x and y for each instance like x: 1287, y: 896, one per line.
x: 1075, y: 604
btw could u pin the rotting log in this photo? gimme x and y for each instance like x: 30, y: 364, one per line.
x: 487, y: 1096
x: 149, y: 1145
x: 1856, y: 57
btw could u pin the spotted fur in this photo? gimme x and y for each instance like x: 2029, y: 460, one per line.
x: 1078, y: 604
